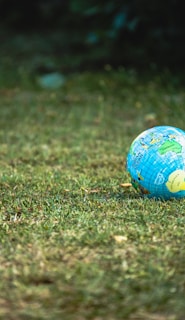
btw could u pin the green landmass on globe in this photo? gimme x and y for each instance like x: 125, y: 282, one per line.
x: 169, y: 145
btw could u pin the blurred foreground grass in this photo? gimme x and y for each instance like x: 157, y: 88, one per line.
x: 74, y: 244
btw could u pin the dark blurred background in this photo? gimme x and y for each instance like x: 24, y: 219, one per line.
x: 77, y: 34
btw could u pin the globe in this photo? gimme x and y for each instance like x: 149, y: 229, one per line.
x: 156, y: 162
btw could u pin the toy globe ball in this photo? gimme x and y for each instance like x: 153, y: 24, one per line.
x: 156, y: 162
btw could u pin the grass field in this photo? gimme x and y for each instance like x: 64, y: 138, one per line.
x: 74, y: 244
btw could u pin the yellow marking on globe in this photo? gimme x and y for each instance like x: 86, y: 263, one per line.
x: 176, y: 181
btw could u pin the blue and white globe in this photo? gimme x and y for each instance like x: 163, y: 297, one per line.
x: 156, y: 162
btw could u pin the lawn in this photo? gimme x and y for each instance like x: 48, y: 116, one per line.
x: 74, y: 243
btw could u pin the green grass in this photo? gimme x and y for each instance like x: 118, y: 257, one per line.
x: 74, y: 244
